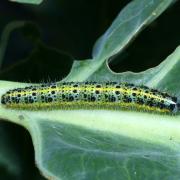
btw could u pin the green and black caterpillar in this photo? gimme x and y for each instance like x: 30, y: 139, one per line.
x: 89, y: 95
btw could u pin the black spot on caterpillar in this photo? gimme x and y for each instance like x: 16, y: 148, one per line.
x: 89, y: 95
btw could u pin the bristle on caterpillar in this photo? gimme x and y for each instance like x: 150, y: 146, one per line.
x: 89, y: 95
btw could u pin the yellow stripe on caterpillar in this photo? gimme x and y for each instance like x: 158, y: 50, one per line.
x: 89, y: 95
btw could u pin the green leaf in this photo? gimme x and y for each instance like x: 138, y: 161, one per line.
x: 163, y: 77
x: 28, y: 1
x: 108, y: 144
x: 99, y: 144
x: 130, y: 21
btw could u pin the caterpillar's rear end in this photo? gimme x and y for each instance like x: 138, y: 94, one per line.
x: 89, y: 95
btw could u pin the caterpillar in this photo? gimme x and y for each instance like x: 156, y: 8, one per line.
x: 89, y: 95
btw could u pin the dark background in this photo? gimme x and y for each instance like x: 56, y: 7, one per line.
x: 59, y: 31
